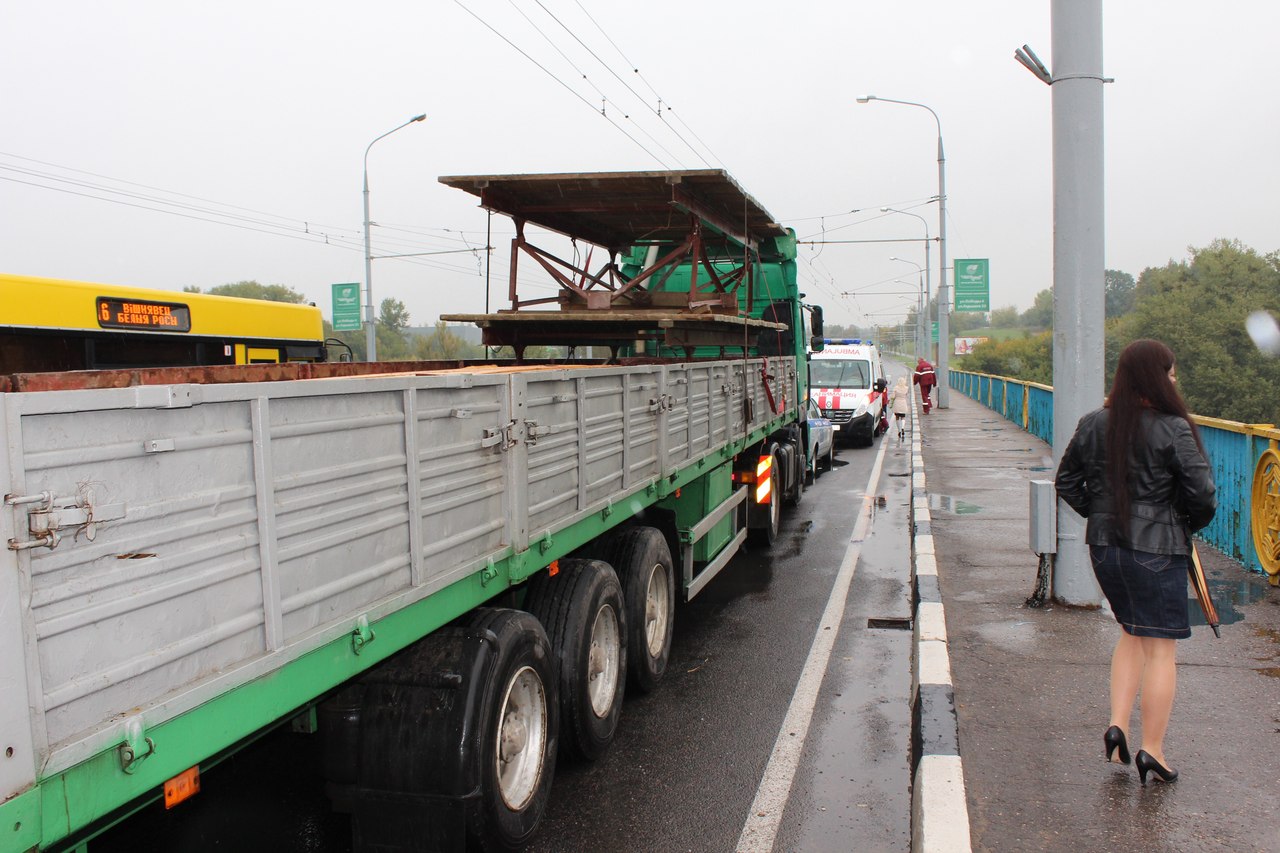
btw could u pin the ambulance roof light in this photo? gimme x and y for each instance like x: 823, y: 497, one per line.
x: 843, y: 340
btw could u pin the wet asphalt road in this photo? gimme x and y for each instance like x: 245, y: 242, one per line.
x: 687, y: 760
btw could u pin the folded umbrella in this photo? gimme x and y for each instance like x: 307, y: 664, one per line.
x: 1201, y: 587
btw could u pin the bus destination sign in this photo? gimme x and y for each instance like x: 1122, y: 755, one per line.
x: 143, y: 316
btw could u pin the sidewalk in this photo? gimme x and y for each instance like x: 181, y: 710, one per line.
x: 1031, y: 686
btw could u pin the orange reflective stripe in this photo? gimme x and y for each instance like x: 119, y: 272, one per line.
x: 764, y: 467
x: 764, y: 491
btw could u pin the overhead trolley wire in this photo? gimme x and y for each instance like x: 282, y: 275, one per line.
x: 605, y: 98
x: 569, y: 88
x: 636, y: 71
x: 618, y: 77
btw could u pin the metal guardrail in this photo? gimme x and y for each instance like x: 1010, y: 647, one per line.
x: 1245, y: 460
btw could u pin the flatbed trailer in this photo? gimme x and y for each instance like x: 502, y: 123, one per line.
x: 449, y: 572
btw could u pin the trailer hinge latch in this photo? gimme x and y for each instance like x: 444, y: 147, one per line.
x: 136, y: 746
x: 51, y: 514
x: 362, y: 635
x: 503, y: 437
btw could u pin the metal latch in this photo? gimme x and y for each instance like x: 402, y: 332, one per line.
x: 136, y: 746
x: 532, y: 431
x: 362, y: 635
x: 662, y: 403
x: 53, y: 513
x: 502, y: 437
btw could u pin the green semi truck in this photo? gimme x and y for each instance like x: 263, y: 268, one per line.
x: 448, y: 574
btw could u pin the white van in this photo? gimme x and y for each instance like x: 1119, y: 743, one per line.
x: 846, y: 379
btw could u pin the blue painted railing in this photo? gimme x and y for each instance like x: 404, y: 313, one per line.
x: 1235, y: 451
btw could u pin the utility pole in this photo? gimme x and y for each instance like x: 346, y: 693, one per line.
x: 1079, y: 263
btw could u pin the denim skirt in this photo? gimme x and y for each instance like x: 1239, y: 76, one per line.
x: 1147, y: 592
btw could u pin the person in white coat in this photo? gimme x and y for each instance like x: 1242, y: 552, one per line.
x: 899, y: 399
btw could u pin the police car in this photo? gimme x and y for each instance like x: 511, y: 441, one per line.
x: 846, y: 379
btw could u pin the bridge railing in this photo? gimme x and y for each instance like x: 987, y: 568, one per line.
x: 1245, y: 459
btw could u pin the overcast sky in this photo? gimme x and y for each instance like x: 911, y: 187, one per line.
x: 176, y: 143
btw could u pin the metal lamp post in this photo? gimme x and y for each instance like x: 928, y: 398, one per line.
x: 944, y: 297
x: 922, y: 303
x: 370, y: 333
x: 923, y: 340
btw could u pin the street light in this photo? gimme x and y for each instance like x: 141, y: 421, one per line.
x: 922, y: 302
x: 944, y: 298
x: 923, y: 338
x: 370, y: 335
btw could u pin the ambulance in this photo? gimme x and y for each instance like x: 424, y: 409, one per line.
x: 846, y: 380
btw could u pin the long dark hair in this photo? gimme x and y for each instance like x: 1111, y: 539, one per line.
x: 1141, y: 382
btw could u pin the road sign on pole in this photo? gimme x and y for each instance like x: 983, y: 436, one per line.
x: 346, y: 307
x: 973, y: 284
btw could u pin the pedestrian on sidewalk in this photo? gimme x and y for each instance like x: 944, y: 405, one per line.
x: 1137, y: 470
x: 899, y: 399
x: 926, y: 379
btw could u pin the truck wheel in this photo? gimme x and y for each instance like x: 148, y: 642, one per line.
x: 581, y: 608
x: 642, y: 560
x: 518, y: 729
x: 766, y: 533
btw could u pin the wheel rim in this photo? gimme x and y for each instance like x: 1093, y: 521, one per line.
x: 522, y: 737
x: 655, y: 610
x: 602, y: 661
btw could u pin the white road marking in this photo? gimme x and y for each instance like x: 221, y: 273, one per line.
x: 761, y: 829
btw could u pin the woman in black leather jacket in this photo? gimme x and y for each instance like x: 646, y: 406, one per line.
x: 1137, y: 470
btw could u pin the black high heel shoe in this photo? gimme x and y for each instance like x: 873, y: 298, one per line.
x: 1113, y: 740
x: 1146, y: 763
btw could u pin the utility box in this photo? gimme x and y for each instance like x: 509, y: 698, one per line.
x: 1044, y: 517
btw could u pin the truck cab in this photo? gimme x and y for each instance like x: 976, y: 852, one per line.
x: 843, y: 381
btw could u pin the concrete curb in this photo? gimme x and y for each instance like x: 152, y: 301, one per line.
x: 939, y: 809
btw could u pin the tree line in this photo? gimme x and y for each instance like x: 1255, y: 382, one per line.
x: 1197, y: 306
x: 396, y: 340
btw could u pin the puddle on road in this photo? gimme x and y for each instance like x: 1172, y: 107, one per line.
x: 1228, y: 595
x: 946, y: 503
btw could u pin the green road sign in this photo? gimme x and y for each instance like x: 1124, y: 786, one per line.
x: 346, y: 307
x: 973, y: 284
x: 935, y: 331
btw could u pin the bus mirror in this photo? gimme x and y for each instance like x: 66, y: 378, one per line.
x: 816, y: 343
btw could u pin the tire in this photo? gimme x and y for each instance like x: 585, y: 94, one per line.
x: 811, y: 469
x: 831, y: 456
x: 766, y: 534
x: 581, y: 608
x: 519, y: 724
x: 642, y: 559
x: 798, y: 495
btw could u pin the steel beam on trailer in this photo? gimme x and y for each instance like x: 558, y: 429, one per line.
x: 683, y: 201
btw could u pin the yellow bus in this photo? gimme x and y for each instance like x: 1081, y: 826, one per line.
x: 49, y: 324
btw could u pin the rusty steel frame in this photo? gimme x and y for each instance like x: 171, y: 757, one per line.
x: 582, y: 282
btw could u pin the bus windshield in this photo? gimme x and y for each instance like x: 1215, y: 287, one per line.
x: 840, y: 373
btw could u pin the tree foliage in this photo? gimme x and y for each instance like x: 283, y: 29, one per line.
x: 1120, y: 288
x: 1028, y: 358
x: 1040, y: 314
x: 1198, y: 307
x: 254, y: 290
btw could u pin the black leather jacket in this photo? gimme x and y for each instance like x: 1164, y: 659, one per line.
x: 1170, y: 485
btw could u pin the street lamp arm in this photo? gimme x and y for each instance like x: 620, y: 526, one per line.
x: 944, y: 300
x: 384, y: 136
